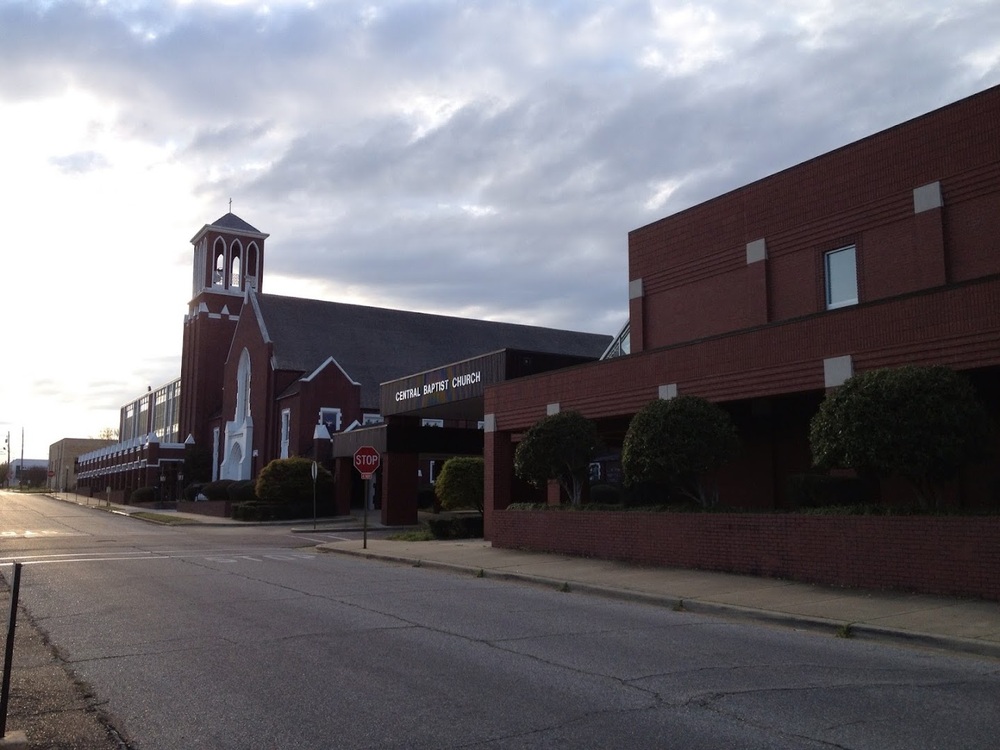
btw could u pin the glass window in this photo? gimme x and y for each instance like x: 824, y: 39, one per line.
x: 330, y: 416
x: 621, y: 346
x: 841, y: 278
x: 286, y: 423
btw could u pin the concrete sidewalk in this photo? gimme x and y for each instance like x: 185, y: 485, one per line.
x: 965, y: 626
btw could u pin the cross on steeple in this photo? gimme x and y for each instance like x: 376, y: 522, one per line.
x: 230, y: 205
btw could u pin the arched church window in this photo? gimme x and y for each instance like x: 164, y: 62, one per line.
x: 220, y: 268
x: 235, y: 282
x: 252, y: 259
x: 243, y: 388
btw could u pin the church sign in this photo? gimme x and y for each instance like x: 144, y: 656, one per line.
x: 455, y: 382
x: 466, y: 379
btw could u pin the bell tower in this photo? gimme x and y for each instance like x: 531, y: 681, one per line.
x: 228, y: 263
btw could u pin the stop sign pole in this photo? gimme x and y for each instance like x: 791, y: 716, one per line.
x: 366, y: 461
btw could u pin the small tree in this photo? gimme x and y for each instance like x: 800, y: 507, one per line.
x: 460, y: 483
x: 675, y: 443
x: 922, y: 424
x: 558, y: 447
x: 289, y: 480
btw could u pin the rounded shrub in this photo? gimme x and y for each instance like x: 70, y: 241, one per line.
x: 922, y: 424
x: 243, y: 491
x: 674, y: 443
x: 217, y: 490
x: 289, y: 480
x: 143, y: 495
x: 460, y: 483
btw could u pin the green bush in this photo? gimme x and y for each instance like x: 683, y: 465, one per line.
x: 922, y: 424
x: 289, y: 480
x: 143, y: 495
x: 242, y: 491
x: 460, y: 483
x: 675, y: 443
x: 192, y: 491
x: 820, y: 490
x: 457, y: 527
x: 558, y: 447
x: 217, y: 490
x: 605, y: 494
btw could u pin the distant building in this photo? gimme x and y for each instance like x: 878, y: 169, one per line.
x: 28, y: 472
x: 61, y: 465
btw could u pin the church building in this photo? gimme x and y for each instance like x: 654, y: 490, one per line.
x: 266, y: 376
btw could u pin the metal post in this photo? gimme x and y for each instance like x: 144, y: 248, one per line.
x: 9, y: 653
x: 315, y: 473
x: 368, y: 494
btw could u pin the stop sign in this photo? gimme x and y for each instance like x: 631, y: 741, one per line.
x: 366, y: 460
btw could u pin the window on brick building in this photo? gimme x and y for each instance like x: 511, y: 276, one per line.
x: 841, y: 270
x: 286, y: 424
x: 330, y: 416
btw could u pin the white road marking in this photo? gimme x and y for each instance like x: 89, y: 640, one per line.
x: 81, y: 557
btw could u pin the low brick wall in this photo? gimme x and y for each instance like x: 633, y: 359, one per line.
x: 933, y: 555
x: 215, y: 508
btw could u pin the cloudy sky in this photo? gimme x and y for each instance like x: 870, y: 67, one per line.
x: 481, y: 159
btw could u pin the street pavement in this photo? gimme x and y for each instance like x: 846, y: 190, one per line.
x: 51, y: 702
x: 961, y: 625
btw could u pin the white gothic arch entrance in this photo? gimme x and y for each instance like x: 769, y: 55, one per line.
x: 238, y: 455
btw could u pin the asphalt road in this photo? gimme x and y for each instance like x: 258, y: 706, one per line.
x: 246, y: 638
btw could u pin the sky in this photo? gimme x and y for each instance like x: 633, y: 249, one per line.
x: 481, y: 159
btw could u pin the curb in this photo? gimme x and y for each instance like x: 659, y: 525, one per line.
x: 836, y: 628
x: 14, y: 741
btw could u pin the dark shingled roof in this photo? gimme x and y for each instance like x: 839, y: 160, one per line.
x: 235, y: 223
x: 375, y: 345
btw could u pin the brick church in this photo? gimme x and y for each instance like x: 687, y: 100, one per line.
x: 267, y: 376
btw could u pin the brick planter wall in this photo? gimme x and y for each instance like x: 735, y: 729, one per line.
x: 215, y: 508
x: 933, y: 555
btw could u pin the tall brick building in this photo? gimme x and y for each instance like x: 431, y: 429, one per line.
x: 884, y: 252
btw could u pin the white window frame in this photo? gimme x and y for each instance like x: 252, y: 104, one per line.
x: 368, y: 419
x: 330, y: 409
x: 286, y: 429
x: 432, y: 423
x: 832, y: 273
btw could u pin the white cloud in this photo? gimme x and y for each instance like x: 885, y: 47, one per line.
x: 471, y: 158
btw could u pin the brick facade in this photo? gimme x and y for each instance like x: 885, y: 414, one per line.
x: 728, y: 302
x: 946, y: 556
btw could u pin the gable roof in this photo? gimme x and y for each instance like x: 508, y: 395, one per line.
x: 374, y: 344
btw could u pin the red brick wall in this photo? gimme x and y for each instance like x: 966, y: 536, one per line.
x: 953, y: 326
x: 214, y: 508
x: 696, y: 282
x: 950, y: 556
